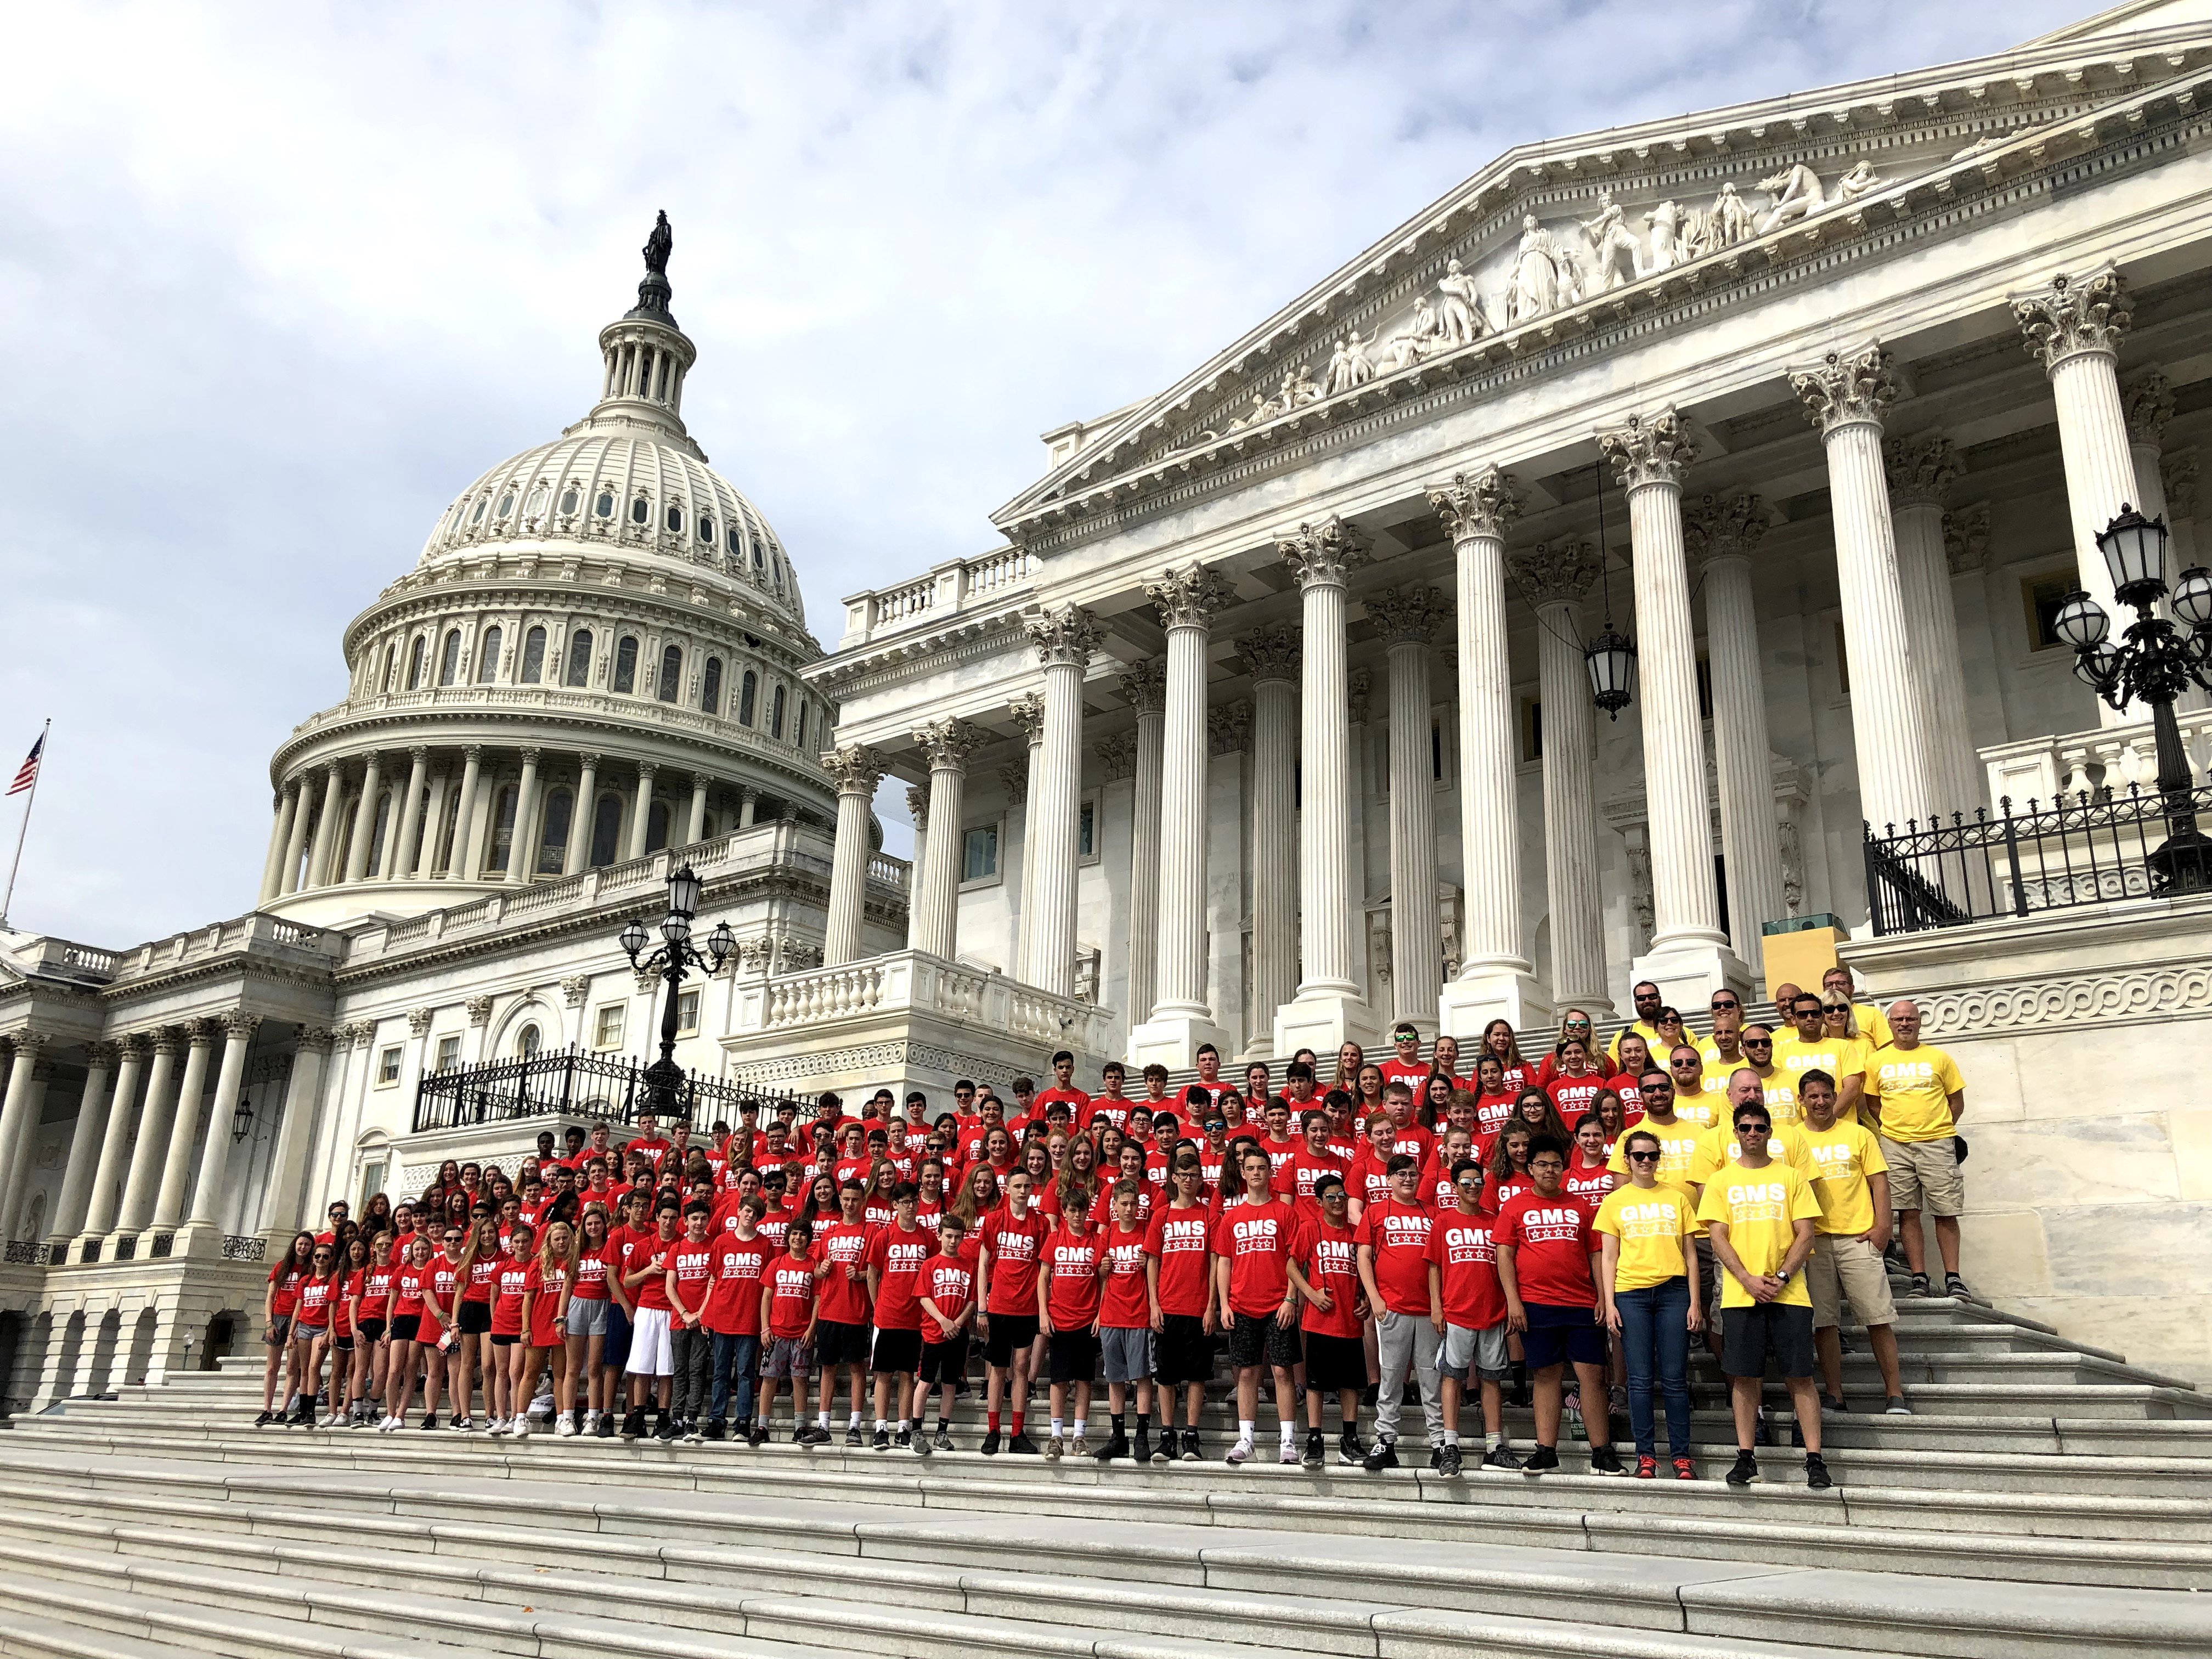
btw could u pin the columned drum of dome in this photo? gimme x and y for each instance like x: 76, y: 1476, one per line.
x: 598, y: 651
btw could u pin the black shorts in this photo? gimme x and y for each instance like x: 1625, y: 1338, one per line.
x: 946, y: 1361
x: 1335, y: 1362
x: 505, y: 1338
x: 1073, y: 1355
x: 1009, y: 1334
x: 343, y: 1344
x: 405, y: 1327
x: 898, y: 1352
x: 1254, y: 1337
x: 372, y: 1330
x: 1184, y: 1352
x: 1749, y: 1334
x: 839, y: 1344
x: 476, y: 1318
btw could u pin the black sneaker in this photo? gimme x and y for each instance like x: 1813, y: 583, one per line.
x: 1433, y: 1451
x: 1117, y: 1445
x: 1190, y: 1452
x: 1349, y: 1451
x: 1918, y: 1287
x: 261, y: 1421
x: 1143, y: 1452
x: 607, y: 1426
x: 880, y: 1441
x: 716, y: 1429
x: 1543, y: 1458
x: 758, y: 1437
x: 668, y: 1429
x: 1761, y: 1435
x: 1603, y: 1460
x: 430, y: 1420
x: 632, y: 1426
x: 1746, y: 1470
x: 1316, y: 1450
x: 1021, y: 1446
x: 1448, y: 1458
x: 990, y: 1446
x: 1954, y: 1285
x: 1816, y: 1473
x: 1383, y: 1455
x: 1499, y: 1457
x: 904, y: 1438
x: 853, y: 1436
x: 1797, y: 1436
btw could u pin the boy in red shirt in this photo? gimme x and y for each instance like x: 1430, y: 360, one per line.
x: 841, y: 1336
x: 732, y: 1319
x: 1067, y: 1314
x: 896, y: 1255
x: 1394, y: 1270
x: 1125, y: 1321
x: 651, y: 1364
x: 691, y: 1348
x: 1544, y: 1242
x: 1408, y: 1138
x: 1296, y: 1175
x: 788, y: 1307
x: 1063, y: 1089
x: 1324, y: 1269
x: 1007, y: 1286
x: 1467, y: 1304
x: 1252, y: 1245
x: 1181, y: 1285
x: 1405, y: 1065
x: 945, y: 1291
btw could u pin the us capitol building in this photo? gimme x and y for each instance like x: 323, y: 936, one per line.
x: 1268, y: 717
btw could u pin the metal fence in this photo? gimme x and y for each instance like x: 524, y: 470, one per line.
x: 2090, y: 849
x: 568, y: 1083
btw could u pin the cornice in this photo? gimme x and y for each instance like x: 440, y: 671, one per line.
x: 919, y: 652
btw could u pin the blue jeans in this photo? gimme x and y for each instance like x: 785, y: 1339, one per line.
x: 1655, y: 1333
x: 737, y: 1359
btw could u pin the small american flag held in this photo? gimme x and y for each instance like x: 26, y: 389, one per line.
x: 28, y: 773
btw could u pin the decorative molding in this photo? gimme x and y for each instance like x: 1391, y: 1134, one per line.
x: 1849, y: 388
x: 875, y: 1057
x: 316, y: 1039
x: 2069, y: 317
x: 1723, y: 527
x: 1556, y: 573
x: 2178, y: 473
x: 240, y: 1025
x: 1028, y: 714
x: 947, y: 744
x: 479, y: 1010
x: 1649, y: 450
x: 2064, y: 1003
x: 1145, y: 685
x: 2147, y: 399
x: 1323, y: 554
x: 101, y: 1055
x: 1229, y: 729
x: 1407, y: 615
x: 1966, y: 538
x: 1014, y: 777
x: 1117, y: 756
x: 418, y: 1020
x: 1065, y: 637
x: 1272, y: 653
x: 1484, y: 502
x: 855, y: 769
x: 1920, y: 469
x: 1190, y: 597
x: 1360, y: 688
x: 917, y: 807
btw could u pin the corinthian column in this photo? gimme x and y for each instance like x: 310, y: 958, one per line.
x: 1064, y: 642
x: 1272, y: 655
x: 19, y: 1116
x: 522, y: 840
x: 286, y: 1190
x: 1330, y: 1009
x: 578, y: 853
x: 1028, y: 714
x: 280, y: 837
x: 1689, y: 957
x: 1553, y: 577
x: 116, y: 1137
x: 86, y: 1137
x: 1920, y: 470
x: 288, y: 879
x: 1406, y: 621
x: 1722, y: 535
x: 1145, y: 685
x: 856, y: 769
x: 364, y: 819
x: 640, y: 821
x: 184, y: 1128
x: 137, y: 1208
x: 404, y: 841
x: 466, y: 854
x: 326, y: 830
x: 1845, y: 398
x: 936, y: 926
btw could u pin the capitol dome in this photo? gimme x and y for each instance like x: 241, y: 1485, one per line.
x: 596, y: 655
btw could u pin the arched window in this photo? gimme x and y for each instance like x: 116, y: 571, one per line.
x: 533, y: 656
x: 506, y: 504
x: 502, y: 829
x: 675, y: 518
x: 777, y: 571
x: 737, y: 545
x: 553, y: 841
x: 488, y: 657
x: 640, y: 511
x: 758, y: 563
x: 775, y: 714
x: 580, y: 657
x: 798, y: 736
x: 415, y: 654
x: 656, y: 827
x: 390, y: 667
x: 477, y: 517
x: 707, y: 529
x: 606, y: 830
x: 528, y: 1040
x: 383, y: 827
x: 748, y: 694
x: 672, y: 672
x: 569, y: 500
x: 536, y: 503
x: 449, y: 657
x: 710, y: 694
x: 605, y: 506
x: 626, y: 664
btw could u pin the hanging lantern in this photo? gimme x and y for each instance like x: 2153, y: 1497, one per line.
x: 1611, y: 660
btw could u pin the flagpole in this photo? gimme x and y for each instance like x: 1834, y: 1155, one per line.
x: 7, y: 903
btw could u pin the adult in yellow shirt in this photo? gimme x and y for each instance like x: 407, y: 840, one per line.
x: 1918, y: 1097
x: 1873, y: 1024
x: 1723, y: 1051
x: 1776, y: 1087
x: 1699, y: 1096
x: 1759, y: 1214
x: 1810, y: 1046
x: 1650, y: 1297
x: 1647, y: 1002
x: 1851, y: 1178
x: 1677, y: 1136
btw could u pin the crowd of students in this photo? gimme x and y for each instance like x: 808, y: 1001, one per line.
x: 1551, y: 1231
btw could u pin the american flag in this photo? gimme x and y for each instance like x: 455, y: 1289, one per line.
x: 28, y: 773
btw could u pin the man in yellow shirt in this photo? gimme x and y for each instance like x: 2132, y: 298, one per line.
x: 1645, y: 1025
x: 1918, y: 1097
x: 1809, y: 1045
x: 1851, y: 1178
x: 1723, y: 1051
x: 1677, y: 1136
x: 1760, y: 1214
x: 1873, y: 1024
x: 1717, y: 1147
x: 1701, y: 1099
x: 1785, y: 998
x: 1776, y: 1085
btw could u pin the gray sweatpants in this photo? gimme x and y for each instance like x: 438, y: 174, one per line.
x: 1402, y: 1339
x: 693, y: 1348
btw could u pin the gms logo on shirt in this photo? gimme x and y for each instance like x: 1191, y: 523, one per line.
x: 1012, y: 1245
x: 1404, y: 1230
x: 1543, y: 1224
x: 1759, y: 1201
x: 1906, y: 1073
x: 1255, y: 1234
x: 1467, y: 1242
x: 1178, y: 1236
x: 1335, y: 1256
x: 1648, y: 1220
x: 1832, y: 1160
x: 906, y: 1258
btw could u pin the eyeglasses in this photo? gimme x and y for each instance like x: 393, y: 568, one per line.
x: 1758, y: 1043
x: 1730, y: 1003
x: 1644, y: 1157
x: 1743, y: 1129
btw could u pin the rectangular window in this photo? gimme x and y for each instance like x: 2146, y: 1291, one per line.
x: 607, y: 1027
x: 687, y: 1014
x: 1436, y: 750
x: 1843, y: 660
x: 979, y: 853
x: 1532, y: 730
x: 1087, y: 830
x: 371, y: 1183
x: 2040, y: 599
x: 449, y: 1052
x: 1705, y: 688
x: 388, y: 1067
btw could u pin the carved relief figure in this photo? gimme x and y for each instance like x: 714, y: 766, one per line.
x: 1299, y: 387
x: 1667, y: 252
x: 1458, y: 307
x: 1795, y: 194
x: 1729, y: 220
x: 1857, y: 182
x: 1418, y: 339
x: 1535, y: 285
x: 1609, y: 238
x: 1349, y: 365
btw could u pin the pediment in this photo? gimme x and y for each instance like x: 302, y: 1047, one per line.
x: 1554, y: 239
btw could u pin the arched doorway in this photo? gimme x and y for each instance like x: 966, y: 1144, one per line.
x: 72, y: 1351
x: 142, y: 1348
x: 102, y: 1378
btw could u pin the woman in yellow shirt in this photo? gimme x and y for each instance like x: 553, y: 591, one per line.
x: 1650, y: 1297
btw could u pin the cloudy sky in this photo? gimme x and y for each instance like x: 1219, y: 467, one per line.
x: 276, y: 281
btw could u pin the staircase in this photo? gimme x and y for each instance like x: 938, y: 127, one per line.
x: 2048, y: 1499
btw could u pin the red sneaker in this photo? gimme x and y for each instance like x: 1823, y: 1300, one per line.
x: 1685, y: 1469
x: 1647, y: 1468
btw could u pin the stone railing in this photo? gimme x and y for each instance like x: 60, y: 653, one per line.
x: 945, y: 592
x: 254, y: 932
x: 913, y: 983
x: 24, y: 1253
x: 2106, y: 759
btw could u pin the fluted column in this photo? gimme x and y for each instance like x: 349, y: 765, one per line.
x: 1145, y: 684
x: 1064, y: 642
x: 1275, y: 659
x: 280, y: 839
x: 856, y: 769
x: 1845, y: 396
x: 326, y: 826
x: 577, y: 854
x: 466, y: 854
x: 153, y: 1142
x: 521, y: 854
x: 1722, y: 535
x: 935, y: 925
x: 403, y: 840
x: 184, y: 1128
x: 19, y: 1114
x: 748, y: 807
x: 116, y: 1137
x: 1029, y: 716
x: 215, y: 1159
x: 1920, y: 471
x: 364, y: 820
x: 695, y: 826
x: 1553, y: 577
x: 434, y: 852
x: 917, y: 814
x: 642, y: 815
x: 85, y: 1139
x: 1407, y: 620
x: 1689, y: 955
x: 290, y: 879
x: 286, y: 1190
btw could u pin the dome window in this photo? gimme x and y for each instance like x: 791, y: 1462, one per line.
x: 488, y: 662
x: 748, y: 694
x: 640, y: 511
x: 675, y: 518
x: 477, y: 517
x: 775, y: 717
x: 706, y: 530
x: 710, y: 696
x: 605, y: 506
x: 569, y: 499
x: 536, y: 504
x: 449, y: 657
x: 758, y: 563
x: 528, y: 1043
x: 626, y: 664
x: 415, y: 654
x: 533, y: 656
x: 506, y: 504
x: 736, y: 545
x: 580, y: 657
x: 672, y: 672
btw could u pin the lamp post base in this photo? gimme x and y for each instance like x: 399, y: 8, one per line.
x: 2183, y: 863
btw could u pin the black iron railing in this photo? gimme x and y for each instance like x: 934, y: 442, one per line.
x: 2089, y: 848
x: 243, y: 1248
x: 568, y: 1083
x: 25, y: 1252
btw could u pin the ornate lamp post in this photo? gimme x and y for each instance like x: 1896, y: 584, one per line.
x: 675, y: 957
x: 1611, y: 657
x: 2154, y: 662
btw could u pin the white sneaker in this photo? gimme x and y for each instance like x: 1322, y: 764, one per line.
x: 591, y: 1421
x: 1239, y: 1452
x: 520, y: 1429
x: 1290, y: 1454
x: 497, y: 1426
x: 567, y: 1425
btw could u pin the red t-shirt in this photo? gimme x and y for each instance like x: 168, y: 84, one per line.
x: 445, y: 1276
x: 287, y: 1279
x: 1399, y: 1236
x: 1180, y: 1240
x: 656, y: 1150
x: 513, y: 1284
x: 694, y: 1268
x: 1498, y: 1193
x: 1256, y: 1238
x: 543, y: 1289
x: 376, y: 1291
x: 316, y: 1292
x: 1125, y: 1305
x: 1587, y: 1181
x: 791, y: 1295
x: 772, y: 1226
x: 1078, y: 1105
x: 591, y: 1275
x: 1071, y: 1265
x: 1368, y: 1182
x: 1414, y: 1073
x: 733, y: 1303
x: 845, y: 1286
x: 897, y: 1258
x: 1280, y: 1153
x: 1492, y: 1112
x: 1553, y: 1242
x: 949, y: 1282
x: 648, y: 1250
x: 1329, y: 1258
x: 1573, y: 1094
x: 1295, y: 1179
x: 407, y: 1285
x: 1460, y: 1246
x: 1114, y: 1109
x: 1413, y: 1141
x: 482, y: 1271
x: 1436, y: 1182
x: 1015, y: 1247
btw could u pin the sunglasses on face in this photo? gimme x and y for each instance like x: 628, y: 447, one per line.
x: 1743, y: 1129
x: 1758, y: 1043
x: 1644, y: 1157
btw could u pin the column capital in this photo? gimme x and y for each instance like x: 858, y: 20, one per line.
x: 1645, y: 450
x: 855, y: 769
x: 1484, y: 503
x: 1323, y: 555
x: 573, y: 990
x: 917, y: 805
x: 749, y: 795
x: 478, y: 1009
x: 1014, y: 777
x: 1848, y: 388
x: 167, y: 1039
x: 1117, y: 756
x: 1722, y: 528
x: 530, y: 755
x: 646, y: 769
x: 1556, y: 573
x: 200, y: 1033
x: 1188, y: 598
x: 419, y: 753
x: 1028, y: 714
x: 1066, y: 637
x: 418, y: 1020
x: 1967, y: 538
x: 1229, y: 729
x: 240, y: 1024
x: 588, y: 757
x: 103, y: 1054
x: 134, y: 1045
x: 1407, y: 615
x: 2147, y: 399
x: 948, y: 743
x: 472, y: 753
x: 1272, y: 653
x: 2072, y: 315
x: 1145, y: 685
x: 1921, y: 469
x: 318, y: 1039
x: 26, y: 1042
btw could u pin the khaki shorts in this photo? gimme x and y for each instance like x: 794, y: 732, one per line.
x: 1842, y: 1268
x: 1924, y: 1175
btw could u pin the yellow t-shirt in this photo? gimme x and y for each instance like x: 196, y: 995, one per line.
x: 1872, y: 1023
x: 1650, y: 1223
x: 1841, y: 1058
x: 1716, y: 1148
x: 1911, y: 1090
x: 1678, y: 1144
x: 1704, y: 1109
x: 1842, y: 1156
x: 1761, y: 1208
x: 1649, y: 1033
x: 1780, y: 1092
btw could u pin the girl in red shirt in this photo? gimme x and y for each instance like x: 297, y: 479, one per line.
x: 587, y: 1329
x: 510, y: 1293
x: 410, y: 1341
x: 474, y: 1269
x: 279, y: 1301
x: 1576, y: 1081
x: 1506, y: 1168
x: 1499, y: 1039
x: 346, y: 1352
x: 311, y: 1329
x: 369, y: 1291
x: 547, y: 1283
x: 1588, y: 1178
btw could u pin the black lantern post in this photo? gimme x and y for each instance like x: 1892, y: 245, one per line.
x: 674, y: 959
x: 2154, y: 663
x: 1611, y: 657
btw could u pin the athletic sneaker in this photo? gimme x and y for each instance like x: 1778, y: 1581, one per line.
x: 1746, y: 1470
x: 1289, y: 1454
x: 566, y: 1426
x: 1685, y: 1469
x: 990, y: 1446
x: 261, y: 1421
x: 1448, y: 1460
x: 1647, y: 1468
x: 497, y: 1426
x: 1052, y: 1449
x: 1144, y: 1452
x: 1954, y: 1285
x: 1897, y: 1407
x: 1316, y: 1450
x: 853, y: 1437
x: 1543, y: 1458
x: 1833, y: 1407
x: 1500, y: 1457
x: 919, y: 1442
x: 1021, y: 1445
x: 1190, y: 1453
x: 606, y: 1429
x: 1078, y: 1447
x: 1816, y: 1473
x: 1117, y: 1445
x: 880, y: 1441
x: 632, y: 1426
x: 1603, y: 1460
x: 903, y: 1438
x: 430, y: 1420
x: 1918, y: 1287
x: 692, y: 1436
x: 942, y: 1440
x: 1241, y: 1452
x: 521, y: 1429
x: 461, y: 1424
x: 759, y: 1435
x: 1348, y: 1448
x: 668, y: 1429
x: 716, y: 1429
x: 1383, y: 1455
